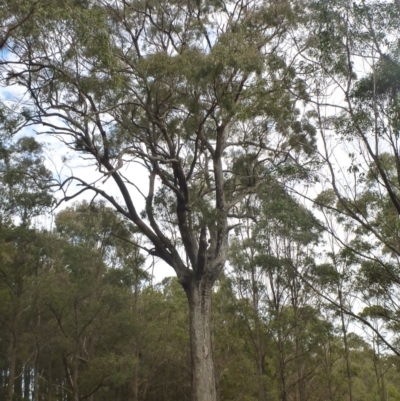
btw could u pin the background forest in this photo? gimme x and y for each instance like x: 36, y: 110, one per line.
x: 268, y: 133
x: 80, y: 315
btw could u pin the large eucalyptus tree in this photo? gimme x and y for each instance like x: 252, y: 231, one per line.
x: 197, y: 97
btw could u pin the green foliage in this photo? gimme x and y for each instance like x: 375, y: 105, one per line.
x: 120, y: 333
x: 24, y: 179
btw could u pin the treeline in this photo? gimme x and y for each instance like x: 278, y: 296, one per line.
x: 81, y: 319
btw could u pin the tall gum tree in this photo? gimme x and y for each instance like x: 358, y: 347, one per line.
x: 200, y: 94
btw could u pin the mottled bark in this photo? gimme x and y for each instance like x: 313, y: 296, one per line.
x: 203, y: 374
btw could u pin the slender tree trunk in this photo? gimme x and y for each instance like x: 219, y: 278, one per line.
x: 259, y: 344
x: 346, y: 347
x: 27, y: 382
x: 328, y: 364
x: 135, y: 383
x: 203, y: 373
x: 300, y: 371
x: 301, y: 383
x: 75, y: 392
x: 260, y: 362
x: 282, y: 377
x: 12, y: 366
x: 75, y: 396
x: 50, y: 394
x: 18, y: 388
x: 13, y: 347
x: 378, y: 371
x: 260, y: 369
x: 36, y: 396
x: 72, y: 378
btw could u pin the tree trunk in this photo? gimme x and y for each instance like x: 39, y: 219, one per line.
x: 378, y: 371
x: 18, y: 388
x: 12, y: 366
x: 328, y: 368
x: 258, y: 343
x: 282, y: 377
x: 203, y: 374
x: 72, y: 377
x: 346, y: 347
x: 260, y: 378
x: 75, y: 396
x: 50, y: 393
x: 135, y: 383
x: 300, y: 369
x: 27, y: 382
x: 302, y: 385
x: 36, y: 396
